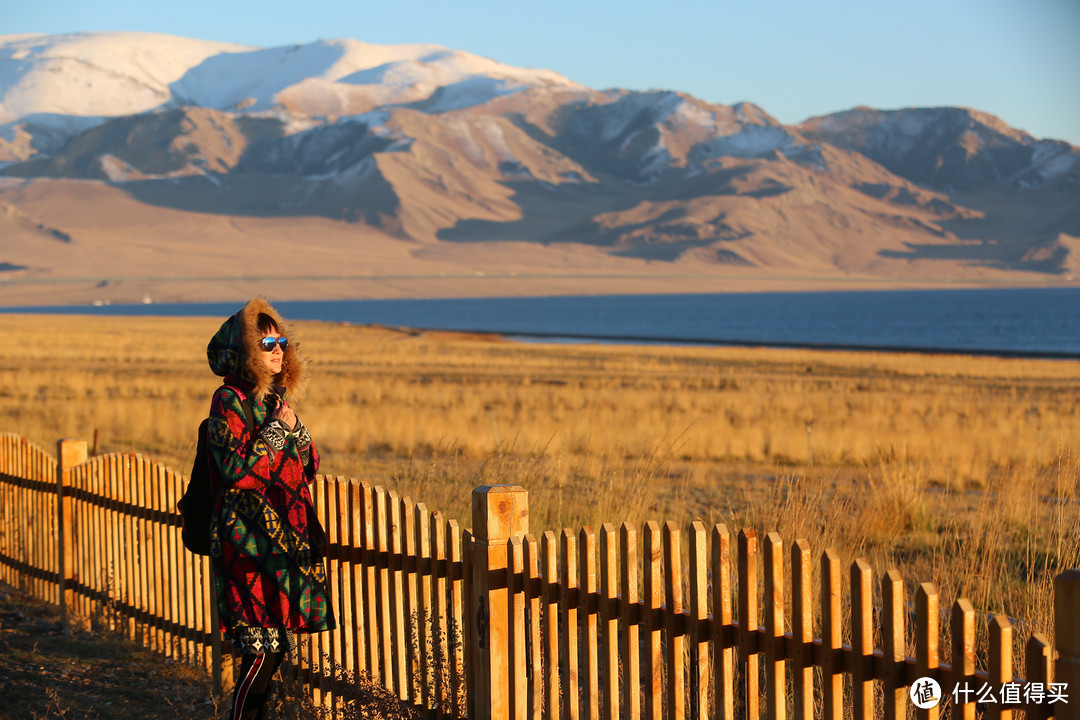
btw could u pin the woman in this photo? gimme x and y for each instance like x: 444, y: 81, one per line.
x: 267, y: 543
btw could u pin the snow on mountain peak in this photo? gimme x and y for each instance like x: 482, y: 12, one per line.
x: 94, y: 74
x: 114, y: 74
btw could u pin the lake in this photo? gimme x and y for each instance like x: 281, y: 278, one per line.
x: 1031, y: 322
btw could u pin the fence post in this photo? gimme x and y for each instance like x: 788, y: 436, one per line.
x: 69, y: 453
x: 499, y: 513
x: 1067, y: 640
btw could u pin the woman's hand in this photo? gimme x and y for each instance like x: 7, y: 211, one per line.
x: 285, y: 414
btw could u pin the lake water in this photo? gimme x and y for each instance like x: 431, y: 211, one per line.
x: 1024, y: 322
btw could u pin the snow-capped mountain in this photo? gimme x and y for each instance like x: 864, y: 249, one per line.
x: 436, y: 146
x: 76, y: 81
x: 93, y: 75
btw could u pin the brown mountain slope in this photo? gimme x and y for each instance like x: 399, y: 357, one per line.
x: 124, y: 251
x: 1025, y: 192
x: 552, y: 182
x: 170, y: 143
x: 956, y: 148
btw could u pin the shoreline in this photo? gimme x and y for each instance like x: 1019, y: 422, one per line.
x: 20, y: 292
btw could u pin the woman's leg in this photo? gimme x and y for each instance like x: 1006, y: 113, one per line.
x: 256, y: 673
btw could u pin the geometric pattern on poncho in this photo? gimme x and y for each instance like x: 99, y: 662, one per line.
x: 266, y: 545
x: 255, y: 641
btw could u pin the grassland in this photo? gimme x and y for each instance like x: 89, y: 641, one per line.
x: 959, y: 470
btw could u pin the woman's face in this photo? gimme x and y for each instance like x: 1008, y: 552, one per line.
x: 271, y: 359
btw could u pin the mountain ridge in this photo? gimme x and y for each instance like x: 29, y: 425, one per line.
x: 458, y: 156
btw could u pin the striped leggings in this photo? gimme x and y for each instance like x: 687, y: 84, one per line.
x: 253, y: 684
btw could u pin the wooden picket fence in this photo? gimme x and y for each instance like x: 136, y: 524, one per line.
x: 29, y: 553
x: 497, y: 622
x: 103, y: 534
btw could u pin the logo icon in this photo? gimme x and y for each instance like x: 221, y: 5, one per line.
x: 925, y: 693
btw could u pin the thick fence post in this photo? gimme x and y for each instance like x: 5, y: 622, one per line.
x: 69, y: 453
x: 499, y: 513
x: 1067, y: 639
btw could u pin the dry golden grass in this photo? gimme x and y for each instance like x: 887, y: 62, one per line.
x: 957, y: 469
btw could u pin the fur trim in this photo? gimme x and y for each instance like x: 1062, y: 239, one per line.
x: 293, y: 365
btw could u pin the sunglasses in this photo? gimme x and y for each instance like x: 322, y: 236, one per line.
x: 267, y: 343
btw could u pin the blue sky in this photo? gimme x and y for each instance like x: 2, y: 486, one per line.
x: 1017, y: 59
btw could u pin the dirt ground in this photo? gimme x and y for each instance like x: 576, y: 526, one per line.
x: 77, y: 675
x: 46, y: 673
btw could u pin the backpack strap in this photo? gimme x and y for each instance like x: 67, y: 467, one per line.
x: 245, y: 403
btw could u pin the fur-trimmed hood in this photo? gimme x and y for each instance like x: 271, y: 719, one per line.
x: 234, y: 352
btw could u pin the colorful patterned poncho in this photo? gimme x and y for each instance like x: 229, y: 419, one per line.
x: 267, y: 543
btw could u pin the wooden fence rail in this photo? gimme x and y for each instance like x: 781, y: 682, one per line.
x: 494, y: 622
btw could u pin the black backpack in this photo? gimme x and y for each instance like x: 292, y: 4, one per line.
x: 197, y: 505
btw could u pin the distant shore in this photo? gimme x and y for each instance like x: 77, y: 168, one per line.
x: 18, y: 290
